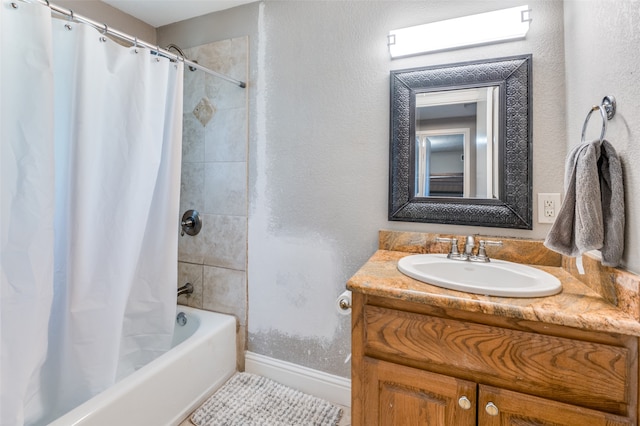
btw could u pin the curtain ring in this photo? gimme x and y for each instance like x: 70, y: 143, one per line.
x: 603, y: 114
x: 158, y: 53
x: 70, y: 19
x: 105, y: 30
x: 135, y: 45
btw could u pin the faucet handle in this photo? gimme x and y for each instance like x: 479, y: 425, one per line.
x: 453, y: 253
x: 482, y: 253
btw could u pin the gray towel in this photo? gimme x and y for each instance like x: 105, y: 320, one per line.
x: 592, y: 214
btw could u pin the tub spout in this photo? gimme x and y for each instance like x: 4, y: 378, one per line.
x: 185, y: 289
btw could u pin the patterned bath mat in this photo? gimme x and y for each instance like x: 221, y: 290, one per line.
x: 250, y: 400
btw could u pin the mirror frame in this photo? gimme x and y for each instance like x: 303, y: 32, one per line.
x: 513, y: 208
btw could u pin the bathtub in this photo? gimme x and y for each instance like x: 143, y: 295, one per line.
x: 166, y: 390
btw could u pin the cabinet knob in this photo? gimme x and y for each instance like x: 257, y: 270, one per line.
x: 464, y: 403
x: 491, y: 409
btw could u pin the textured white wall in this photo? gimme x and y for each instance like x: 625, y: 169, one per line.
x: 601, y: 42
x: 319, y: 155
x: 107, y: 14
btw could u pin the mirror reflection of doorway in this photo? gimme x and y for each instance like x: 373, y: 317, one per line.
x: 457, y: 143
x: 442, y: 170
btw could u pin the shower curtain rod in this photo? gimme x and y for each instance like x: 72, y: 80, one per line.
x: 130, y: 39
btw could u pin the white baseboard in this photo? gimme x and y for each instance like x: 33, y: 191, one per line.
x: 323, y: 385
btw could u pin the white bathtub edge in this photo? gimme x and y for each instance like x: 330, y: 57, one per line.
x: 333, y: 388
x: 159, y: 394
x: 186, y: 412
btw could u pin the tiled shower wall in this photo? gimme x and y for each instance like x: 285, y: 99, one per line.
x: 214, y: 182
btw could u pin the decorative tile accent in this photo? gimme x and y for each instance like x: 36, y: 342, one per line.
x: 204, y: 111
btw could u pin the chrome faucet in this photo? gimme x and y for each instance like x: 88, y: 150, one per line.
x: 453, y: 253
x: 482, y: 253
x: 469, y: 246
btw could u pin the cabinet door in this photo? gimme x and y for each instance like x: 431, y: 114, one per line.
x: 499, y: 407
x: 396, y: 395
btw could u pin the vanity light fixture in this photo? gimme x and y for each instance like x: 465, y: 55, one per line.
x: 484, y: 28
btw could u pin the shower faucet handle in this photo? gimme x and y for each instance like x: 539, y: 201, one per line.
x: 191, y: 223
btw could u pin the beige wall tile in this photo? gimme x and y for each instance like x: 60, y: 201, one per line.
x: 226, y: 95
x: 192, y: 187
x: 225, y: 188
x: 226, y: 242
x: 214, y: 182
x: 194, y: 89
x: 191, y: 248
x: 225, y: 136
x: 190, y: 273
x: 193, y: 139
x: 225, y: 291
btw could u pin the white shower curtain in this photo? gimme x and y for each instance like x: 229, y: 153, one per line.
x: 91, y: 157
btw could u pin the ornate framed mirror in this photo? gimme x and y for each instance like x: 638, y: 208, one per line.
x: 461, y: 145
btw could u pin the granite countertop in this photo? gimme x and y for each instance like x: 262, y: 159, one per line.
x: 578, y: 305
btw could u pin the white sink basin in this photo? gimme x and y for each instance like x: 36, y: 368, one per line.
x: 495, y: 278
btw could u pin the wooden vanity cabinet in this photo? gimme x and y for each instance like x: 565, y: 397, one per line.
x: 419, y: 365
x: 398, y: 395
x: 512, y: 408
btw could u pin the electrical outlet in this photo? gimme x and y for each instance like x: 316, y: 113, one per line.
x: 548, y: 207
